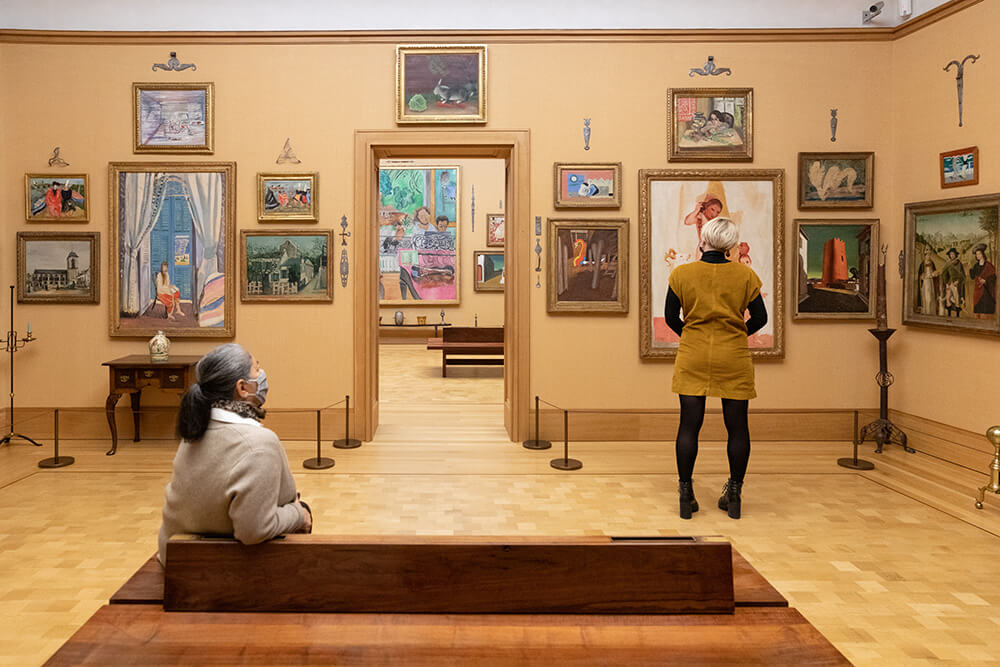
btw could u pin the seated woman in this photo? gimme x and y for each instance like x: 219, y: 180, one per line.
x: 231, y: 474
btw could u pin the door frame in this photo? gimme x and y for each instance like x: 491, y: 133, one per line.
x: 512, y: 146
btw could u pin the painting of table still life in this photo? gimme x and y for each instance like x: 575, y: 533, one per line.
x: 587, y: 185
x: 286, y: 267
x: 950, y: 278
x: 418, y: 235
x: 836, y: 269
x: 172, y: 227
x: 440, y: 83
x: 56, y: 198
x: 490, y: 274
x: 58, y: 267
x: 836, y: 180
x: 588, y: 266
x: 710, y: 124
x: 674, y: 205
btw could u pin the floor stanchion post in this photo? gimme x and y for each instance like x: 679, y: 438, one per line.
x: 320, y: 462
x: 537, y: 443
x: 56, y: 461
x: 854, y: 463
x: 566, y: 463
x: 347, y: 442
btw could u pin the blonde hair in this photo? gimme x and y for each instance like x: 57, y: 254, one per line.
x: 720, y: 233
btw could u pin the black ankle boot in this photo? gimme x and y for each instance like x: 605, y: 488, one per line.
x: 687, y: 501
x: 730, y: 499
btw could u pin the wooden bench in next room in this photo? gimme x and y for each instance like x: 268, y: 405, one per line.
x: 461, y: 342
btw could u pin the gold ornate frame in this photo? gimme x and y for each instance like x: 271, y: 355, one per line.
x: 490, y: 217
x: 228, y: 169
x: 646, y: 177
x: 559, y: 202
x: 246, y: 297
x: 481, y: 287
x: 206, y: 148
x: 311, y: 176
x: 869, y: 200
x: 675, y: 153
x: 94, y: 292
x: 51, y: 177
x: 403, y: 115
x: 620, y: 225
x: 873, y: 226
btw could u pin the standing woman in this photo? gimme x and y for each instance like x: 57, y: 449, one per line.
x: 231, y: 474
x: 713, y: 358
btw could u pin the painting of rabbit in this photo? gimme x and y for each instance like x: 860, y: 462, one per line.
x: 836, y: 180
x: 441, y: 84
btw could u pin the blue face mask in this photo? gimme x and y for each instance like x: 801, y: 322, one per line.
x: 261, y: 380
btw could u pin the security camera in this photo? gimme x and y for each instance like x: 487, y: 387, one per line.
x: 873, y: 10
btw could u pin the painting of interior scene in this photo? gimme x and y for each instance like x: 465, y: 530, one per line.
x: 291, y: 267
x: 586, y: 265
x: 172, y: 243
x: 57, y: 198
x: 704, y: 122
x: 834, y: 269
x: 490, y: 275
x: 418, y: 235
x: 172, y: 117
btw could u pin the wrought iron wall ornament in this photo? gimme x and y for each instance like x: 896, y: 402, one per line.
x: 959, y: 79
x: 538, y: 269
x: 833, y: 124
x: 586, y: 134
x: 709, y: 69
x: 538, y: 225
x: 344, y: 235
x: 55, y: 160
x: 473, y: 207
x: 287, y: 155
x: 174, y: 65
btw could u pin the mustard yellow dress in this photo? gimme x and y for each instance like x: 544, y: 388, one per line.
x: 713, y: 358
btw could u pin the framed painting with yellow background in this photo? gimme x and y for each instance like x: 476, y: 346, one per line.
x: 288, y: 197
x: 441, y: 83
x: 674, y: 204
x: 710, y: 125
x: 594, y: 185
x: 56, y: 198
x: 490, y: 274
x: 173, y: 117
x: 588, y: 265
x: 835, y: 269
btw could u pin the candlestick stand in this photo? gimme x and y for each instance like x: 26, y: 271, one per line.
x: 12, y: 345
x: 882, y: 430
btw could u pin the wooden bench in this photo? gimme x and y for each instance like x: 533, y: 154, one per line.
x: 460, y: 342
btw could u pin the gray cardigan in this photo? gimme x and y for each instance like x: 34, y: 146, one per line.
x: 234, y: 481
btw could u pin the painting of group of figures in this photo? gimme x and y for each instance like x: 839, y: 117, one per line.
x: 951, y: 259
x: 418, y: 235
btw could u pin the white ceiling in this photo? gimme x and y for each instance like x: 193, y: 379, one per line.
x: 443, y: 14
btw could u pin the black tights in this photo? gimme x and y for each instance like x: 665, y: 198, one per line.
x: 734, y: 413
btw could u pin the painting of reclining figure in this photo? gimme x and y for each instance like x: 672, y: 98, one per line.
x: 588, y: 266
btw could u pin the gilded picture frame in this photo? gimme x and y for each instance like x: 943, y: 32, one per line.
x: 441, y: 83
x: 52, y: 197
x: 835, y: 264
x: 195, y: 240
x: 169, y: 118
x: 710, y: 125
x: 489, y: 267
x: 58, y: 267
x: 670, y: 203
x: 829, y: 180
x: 496, y: 230
x: 588, y: 265
x: 286, y: 266
x: 587, y: 185
x: 283, y: 197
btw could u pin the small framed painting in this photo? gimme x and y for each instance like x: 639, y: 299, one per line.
x: 836, y: 268
x: 441, y: 83
x: 588, y: 266
x: 288, y: 197
x: 58, y: 267
x: 960, y: 167
x: 490, y: 274
x: 710, y: 125
x: 587, y: 185
x: 286, y: 267
x: 56, y: 198
x: 173, y: 117
x: 496, y: 234
x: 836, y: 180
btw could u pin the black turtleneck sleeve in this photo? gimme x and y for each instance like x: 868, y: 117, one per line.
x: 672, y: 312
x: 758, y: 316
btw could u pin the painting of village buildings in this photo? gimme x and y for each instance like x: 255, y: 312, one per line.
x: 286, y: 267
x: 835, y: 278
x: 58, y: 268
x: 418, y: 235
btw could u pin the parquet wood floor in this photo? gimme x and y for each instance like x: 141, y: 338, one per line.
x: 888, y: 577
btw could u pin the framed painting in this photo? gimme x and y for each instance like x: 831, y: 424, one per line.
x: 674, y: 204
x: 960, y: 167
x: 288, y: 197
x: 58, y: 267
x: 173, y: 117
x: 587, y: 185
x: 835, y: 269
x: 418, y: 235
x: 172, y: 234
x: 836, y: 180
x: 588, y: 266
x: 496, y: 231
x: 56, y: 198
x: 710, y: 125
x: 950, y: 255
x: 441, y: 83
x: 286, y: 267
x: 490, y: 274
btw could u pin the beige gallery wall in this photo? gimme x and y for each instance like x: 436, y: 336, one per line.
x: 318, y: 94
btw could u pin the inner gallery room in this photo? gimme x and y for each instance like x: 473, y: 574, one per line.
x: 510, y: 269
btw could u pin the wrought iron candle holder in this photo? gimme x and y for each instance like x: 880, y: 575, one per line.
x: 993, y: 434
x: 12, y: 345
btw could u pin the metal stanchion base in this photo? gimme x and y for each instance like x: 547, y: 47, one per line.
x: 537, y: 444
x: 855, y: 464
x: 319, y: 463
x: 566, y: 464
x: 347, y: 443
x: 53, y: 462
